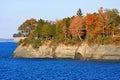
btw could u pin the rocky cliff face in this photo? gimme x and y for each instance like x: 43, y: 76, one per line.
x: 29, y: 52
x: 105, y: 52
x: 44, y: 51
x: 78, y: 52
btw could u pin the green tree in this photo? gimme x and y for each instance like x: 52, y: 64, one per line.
x: 38, y: 30
x: 59, y: 29
x: 46, y: 30
x: 66, y: 22
x: 114, y: 17
x: 52, y: 30
x: 79, y: 12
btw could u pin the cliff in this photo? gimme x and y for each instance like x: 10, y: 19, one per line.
x: 44, y: 51
x: 105, y: 52
x: 17, y: 39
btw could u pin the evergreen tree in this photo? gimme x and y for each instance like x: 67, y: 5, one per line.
x: 79, y: 12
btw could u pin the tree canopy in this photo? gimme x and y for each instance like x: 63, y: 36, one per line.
x: 27, y: 26
x: 102, y: 27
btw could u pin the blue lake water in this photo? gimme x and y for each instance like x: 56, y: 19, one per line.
x: 53, y: 69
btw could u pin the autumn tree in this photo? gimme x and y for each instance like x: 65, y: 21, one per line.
x: 76, y: 27
x: 103, y: 20
x: 91, y: 24
x: 100, y: 26
x: 26, y: 28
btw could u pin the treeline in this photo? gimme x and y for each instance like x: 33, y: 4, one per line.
x: 102, y: 27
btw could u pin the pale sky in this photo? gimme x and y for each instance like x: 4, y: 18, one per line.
x: 14, y: 12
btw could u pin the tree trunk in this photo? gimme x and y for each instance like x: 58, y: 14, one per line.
x: 79, y: 37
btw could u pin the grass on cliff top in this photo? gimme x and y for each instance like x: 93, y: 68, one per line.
x: 36, y: 43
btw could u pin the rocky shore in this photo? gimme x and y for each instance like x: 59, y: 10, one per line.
x: 97, y: 52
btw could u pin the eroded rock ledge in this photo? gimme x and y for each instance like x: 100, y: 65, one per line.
x: 105, y: 52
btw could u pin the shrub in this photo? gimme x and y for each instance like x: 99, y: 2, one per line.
x: 20, y: 42
x: 36, y: 43
x: 26, y: 42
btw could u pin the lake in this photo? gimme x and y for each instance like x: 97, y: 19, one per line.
x: 53, y: 69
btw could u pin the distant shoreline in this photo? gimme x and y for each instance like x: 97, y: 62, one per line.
x: 6, y: 40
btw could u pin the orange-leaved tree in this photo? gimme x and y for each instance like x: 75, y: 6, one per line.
x: 91, y: 22
x: 76, y: 27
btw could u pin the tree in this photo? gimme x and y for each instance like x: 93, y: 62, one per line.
x: 26, y: 28
x: 38, y: 29
x: 52, y: 30
x: 45, y: 30
x: 114, y: 18
x: 76, y: 27
x: 59, y: 29
x: 91, y: 24
x: 102, y: 23
x: 66, y: 22
x: 38, y: 33
x: 79, y: 12
x: 91, y: 21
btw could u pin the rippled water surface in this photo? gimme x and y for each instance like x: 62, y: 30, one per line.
x: 53, y: 69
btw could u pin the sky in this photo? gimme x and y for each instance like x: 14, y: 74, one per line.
x: 14, y: 12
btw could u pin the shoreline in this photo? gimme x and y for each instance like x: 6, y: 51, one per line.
x: 83, y: 60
